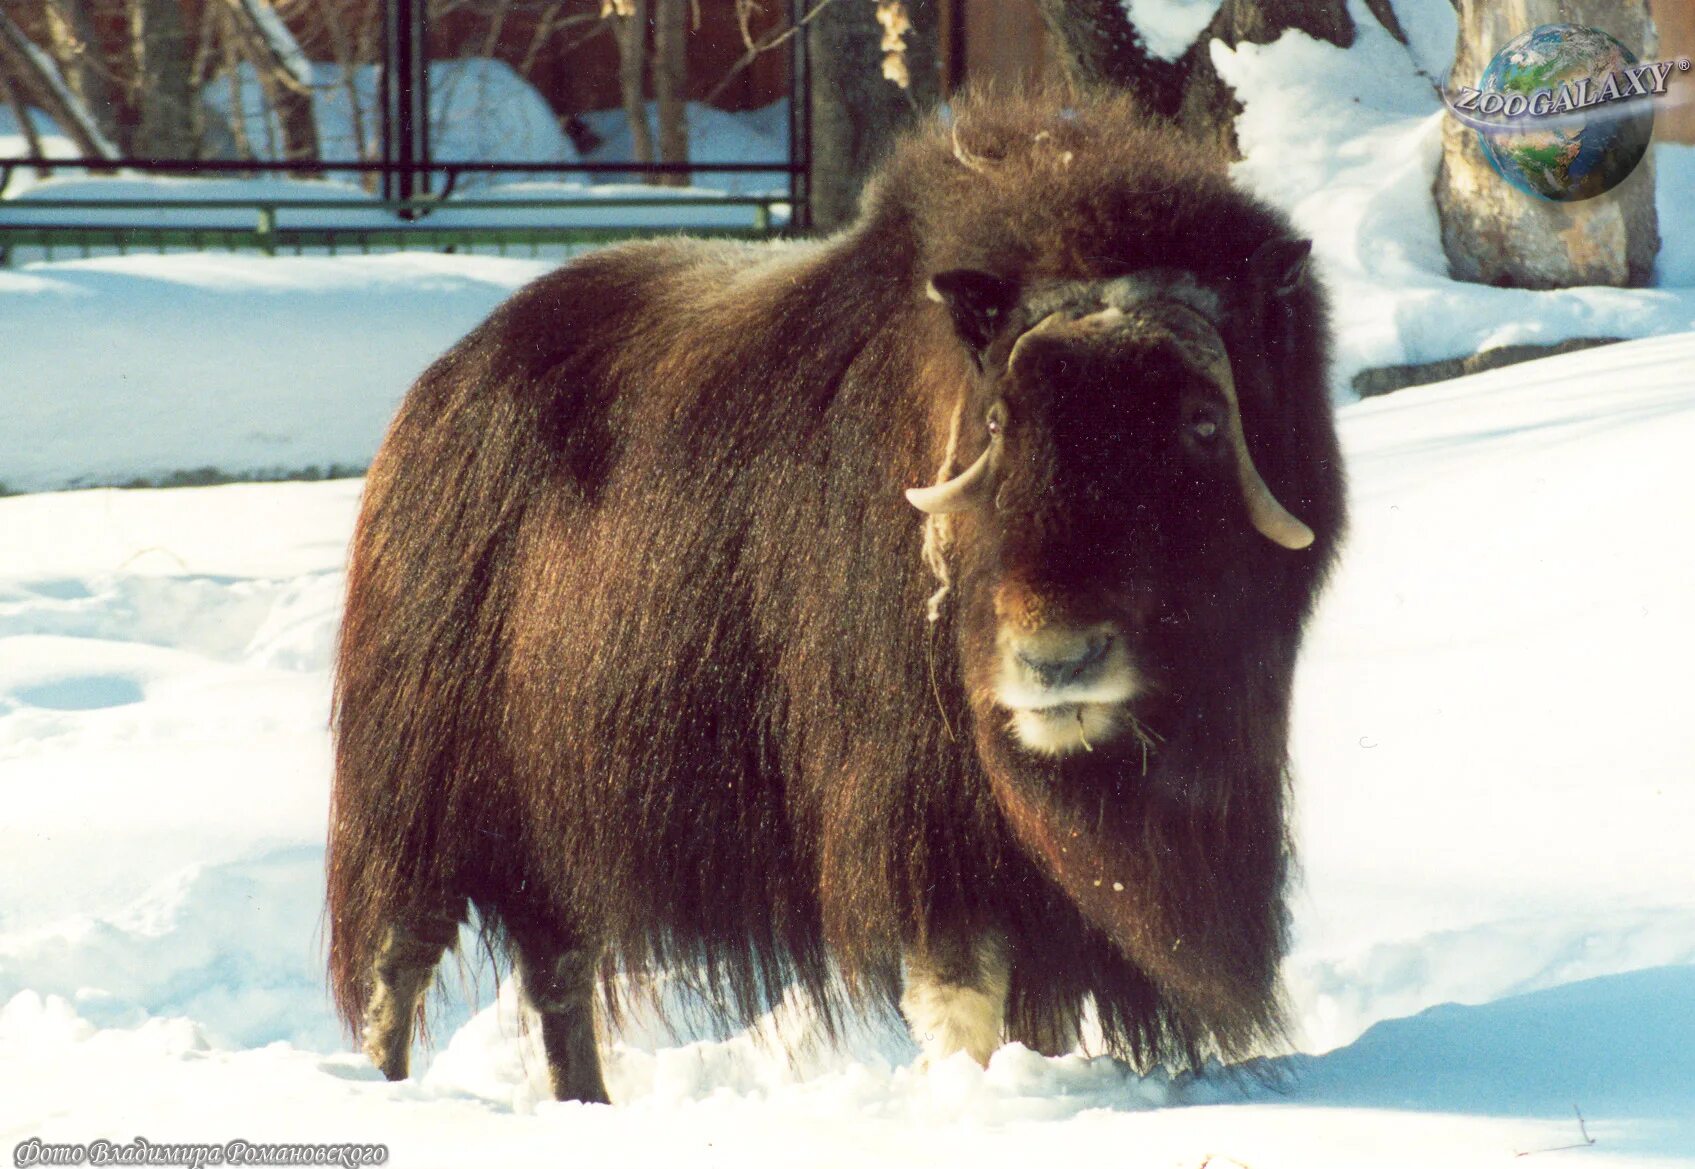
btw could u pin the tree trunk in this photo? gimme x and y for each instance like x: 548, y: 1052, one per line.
x: 1495, y: 234
x: 856, y: 113
x: 26, y: 125
x: 631, y: 25
x: 1098, y: 46
x: 76, y: 46
x: 36, y: 73
x: 159, y: 43
x: 670, y: 85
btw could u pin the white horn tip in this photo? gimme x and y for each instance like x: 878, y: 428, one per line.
x: 1293, y: 535
x: 923, y: 498
x: 1300, y: 539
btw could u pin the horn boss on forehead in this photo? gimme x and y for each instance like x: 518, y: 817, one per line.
x: 976, y: 300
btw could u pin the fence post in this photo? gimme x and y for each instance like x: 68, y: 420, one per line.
x: 800, y: 120
x: 268, y: 229
x: 405, y: 101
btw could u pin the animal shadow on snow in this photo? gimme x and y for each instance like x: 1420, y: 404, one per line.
x: 1619, y: 1048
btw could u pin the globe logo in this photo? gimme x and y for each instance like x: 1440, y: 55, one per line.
x: 1564, y: 112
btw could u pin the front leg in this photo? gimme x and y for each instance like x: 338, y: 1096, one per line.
x: 955, y: 994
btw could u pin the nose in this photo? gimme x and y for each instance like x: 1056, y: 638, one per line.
x: 1062, y: 659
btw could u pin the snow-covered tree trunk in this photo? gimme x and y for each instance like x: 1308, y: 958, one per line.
x: 164, y: 98
x: 1209, y: 106
x: 1493, y: 233
x: 1100, y: 46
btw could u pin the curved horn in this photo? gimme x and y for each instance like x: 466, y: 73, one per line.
x: 1271, y: 518
x: 1048, y: 323
x: 975, y: 484
x: 1274, y: 521
x: 965, y: 490
x: 1203, y: 347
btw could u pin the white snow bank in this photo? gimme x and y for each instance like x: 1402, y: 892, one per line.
x: 142, y: 366
x: 1169, y: 27
x: 1491, y: 683
x: 480, y: 110
x: 715, y: 136
x: 14, y: 144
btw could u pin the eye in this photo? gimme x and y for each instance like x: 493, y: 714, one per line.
x: 1203, y: 424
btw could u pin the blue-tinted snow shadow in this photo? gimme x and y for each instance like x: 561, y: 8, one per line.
x: 1620, y: 1048
x: 87, y: 692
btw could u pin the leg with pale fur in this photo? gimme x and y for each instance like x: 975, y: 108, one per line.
x: 404, y: 967
x: 955, y: 995
x: 558, y: 973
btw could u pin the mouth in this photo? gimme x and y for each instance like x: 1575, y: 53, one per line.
x: 1066, y: 689
x: 1079, y: 716
x: 1068, y: 727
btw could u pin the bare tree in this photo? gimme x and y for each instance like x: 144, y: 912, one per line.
x: 284, y: 74
x: 33, y: 71
x: 1494, y: 234
x: 26, y: 123
x: 350, y: 46
x: 670, y: 85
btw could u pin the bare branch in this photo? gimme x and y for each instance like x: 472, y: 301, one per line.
x: 22, y: 58
x: 26, y: 124
x: 764, y: 45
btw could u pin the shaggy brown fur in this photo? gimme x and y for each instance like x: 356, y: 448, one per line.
x: 635, y: 658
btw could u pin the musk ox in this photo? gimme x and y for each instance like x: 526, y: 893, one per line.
x: 906, y: 617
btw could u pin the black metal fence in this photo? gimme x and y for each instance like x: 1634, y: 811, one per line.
x: 421, y: 204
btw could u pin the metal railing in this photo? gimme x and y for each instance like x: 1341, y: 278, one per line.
x: 416, y: 216
x: 53, y: 226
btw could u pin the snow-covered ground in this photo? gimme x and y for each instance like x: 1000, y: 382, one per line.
x: 143, y: 366
x: 1496, y: 921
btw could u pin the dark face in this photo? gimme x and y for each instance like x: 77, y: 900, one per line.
x: 1111, y: 475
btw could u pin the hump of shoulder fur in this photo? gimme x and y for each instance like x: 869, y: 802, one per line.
x: 1030, y: 187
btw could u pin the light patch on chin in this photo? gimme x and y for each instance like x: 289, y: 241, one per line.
x: 1065, y: 730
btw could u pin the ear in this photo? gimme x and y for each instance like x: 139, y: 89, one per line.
x: 977, y: 301
x: 1280, y: 265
